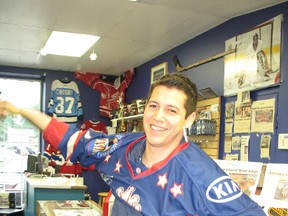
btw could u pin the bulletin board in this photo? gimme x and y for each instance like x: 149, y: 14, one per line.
x: 258, y: 141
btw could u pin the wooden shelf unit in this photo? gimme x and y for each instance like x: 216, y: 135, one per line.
x: 210, y: 143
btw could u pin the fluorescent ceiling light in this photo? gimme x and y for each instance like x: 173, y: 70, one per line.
x: 68, y: 44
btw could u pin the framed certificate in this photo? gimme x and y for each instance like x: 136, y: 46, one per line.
x: 158, y: 71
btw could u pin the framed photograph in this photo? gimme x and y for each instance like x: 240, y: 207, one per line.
x: 158, y: 71
x: 200, y: 97
x: 208, y: 93
x: 243, y: 97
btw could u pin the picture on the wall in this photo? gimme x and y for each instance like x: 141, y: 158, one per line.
x: 158, y: 71
x: 208, y: 93
x: 256, y: 62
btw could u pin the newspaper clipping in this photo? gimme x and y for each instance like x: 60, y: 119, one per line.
x: 263, y: 116
x: 275, y: 186
x: 242, y: 118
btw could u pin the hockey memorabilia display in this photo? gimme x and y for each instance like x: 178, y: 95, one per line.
x: 65, y: 104
x: 122, y: 127
x: 111, y: 88
x: 204, y: 61
x: 141, y: 103
x: 256, y: 61
x: 130, y: 109
x: 133, y: 108
x: 158, y: 71
x: 203, y: 127
x: 121, y: 114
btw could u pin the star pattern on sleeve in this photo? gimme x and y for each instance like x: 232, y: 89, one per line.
x: 118, y: 166
x: 107, y: 158
x: 176, y: 190
x: 87, y: 135
x: 162, y: 180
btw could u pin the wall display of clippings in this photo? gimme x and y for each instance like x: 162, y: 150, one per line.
x: 244, y: 117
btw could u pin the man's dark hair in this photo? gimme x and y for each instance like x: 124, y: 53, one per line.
x: 181, y: 82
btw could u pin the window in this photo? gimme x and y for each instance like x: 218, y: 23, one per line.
x: 18, y: 137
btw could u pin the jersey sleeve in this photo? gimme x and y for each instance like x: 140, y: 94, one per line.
x: 112, y: 143
x: 78, y: 145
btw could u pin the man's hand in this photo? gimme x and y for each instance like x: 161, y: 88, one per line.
x: 39, y: 119
x: 8, y: 108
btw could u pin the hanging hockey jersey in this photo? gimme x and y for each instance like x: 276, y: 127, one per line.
x: 56, y: 158
x: 110, y: 87
x: 187, y: 182
x: 65, y: 104
x: 97, y: 126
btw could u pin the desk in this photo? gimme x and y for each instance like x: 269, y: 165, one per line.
x: 51, y: 188
x: 16, y: 212
x: 68, y: 207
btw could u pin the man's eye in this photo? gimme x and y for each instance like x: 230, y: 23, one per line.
x: 172, y: 110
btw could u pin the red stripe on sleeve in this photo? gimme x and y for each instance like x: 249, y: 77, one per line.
x: 55, y: 132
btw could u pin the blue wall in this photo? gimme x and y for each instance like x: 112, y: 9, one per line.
x: 212, y: 74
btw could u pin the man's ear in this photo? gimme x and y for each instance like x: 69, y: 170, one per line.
x: 190, y: 119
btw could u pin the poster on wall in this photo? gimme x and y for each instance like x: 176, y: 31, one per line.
x: 256, y: 62
x: 275, y: 188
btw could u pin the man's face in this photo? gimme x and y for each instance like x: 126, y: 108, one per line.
x: 164, y: 117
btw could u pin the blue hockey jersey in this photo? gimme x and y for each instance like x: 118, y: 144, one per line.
x: 187, y: 182
x: 65, y: 104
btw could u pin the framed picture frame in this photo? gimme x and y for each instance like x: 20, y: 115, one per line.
x: 208, y: 93
x: 200, y: 97
x: 158, y: 71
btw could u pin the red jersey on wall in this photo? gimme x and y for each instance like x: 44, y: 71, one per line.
x: 111, y: 88
x: 97, y: 126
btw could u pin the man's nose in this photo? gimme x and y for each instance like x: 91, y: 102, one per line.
x: 159, y: 114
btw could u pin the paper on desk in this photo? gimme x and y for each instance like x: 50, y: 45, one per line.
x: 76, y: 212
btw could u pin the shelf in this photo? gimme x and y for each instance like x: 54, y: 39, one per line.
x: 134, y: 117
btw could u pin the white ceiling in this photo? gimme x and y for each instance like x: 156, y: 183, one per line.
x: 131, y: 33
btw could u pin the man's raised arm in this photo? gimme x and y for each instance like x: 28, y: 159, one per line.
x: 39, y: 119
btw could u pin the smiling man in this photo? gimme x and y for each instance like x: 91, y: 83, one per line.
x: 157, y: 172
